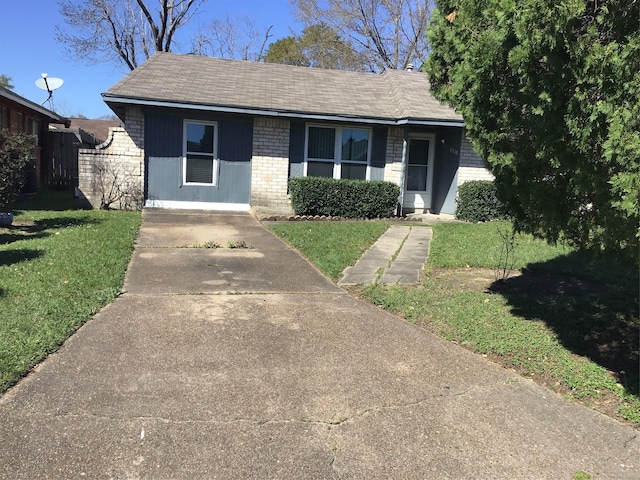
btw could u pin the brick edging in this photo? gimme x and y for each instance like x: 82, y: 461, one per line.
x: 326, y: 218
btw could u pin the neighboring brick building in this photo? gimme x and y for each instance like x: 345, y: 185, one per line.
x: 18, y: 114
x: 231, y: 133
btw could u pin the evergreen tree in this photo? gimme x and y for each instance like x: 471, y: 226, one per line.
x: 550, y: 93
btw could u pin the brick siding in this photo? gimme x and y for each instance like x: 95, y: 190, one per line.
x: 393, y: 166
x: 270, y: 162
x: 472, y: 166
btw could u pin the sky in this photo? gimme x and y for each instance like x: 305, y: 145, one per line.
x: 29, y: 49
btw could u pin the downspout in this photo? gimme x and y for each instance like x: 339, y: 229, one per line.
x: 403, y: 167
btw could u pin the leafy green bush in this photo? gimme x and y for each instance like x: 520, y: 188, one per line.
x: 16, y: 151
x: 477, y: 202
x: 343, y: 198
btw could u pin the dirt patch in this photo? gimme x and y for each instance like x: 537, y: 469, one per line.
x: 463, y: 279
x: 518, y: 282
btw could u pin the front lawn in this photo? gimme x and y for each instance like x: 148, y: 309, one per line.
x: 57, y: 268
x: 331, y: 246
x: 564, y: 321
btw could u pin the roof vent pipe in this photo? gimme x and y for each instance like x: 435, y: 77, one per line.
x: 410, y: 67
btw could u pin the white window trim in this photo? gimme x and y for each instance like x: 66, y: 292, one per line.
x: 337, y: 153
x: 214, y: 156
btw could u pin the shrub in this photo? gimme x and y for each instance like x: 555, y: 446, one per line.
x: 477, y: 202
x: 343, y: 198
x: 16, y: 152
x: 116, y: 184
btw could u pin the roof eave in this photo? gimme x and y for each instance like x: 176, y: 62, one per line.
x: 53, y: 117
x: 116, y: 100
x: 432, y: 122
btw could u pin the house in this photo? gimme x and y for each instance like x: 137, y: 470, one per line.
x: 17, y: 114
x: 208, y: 133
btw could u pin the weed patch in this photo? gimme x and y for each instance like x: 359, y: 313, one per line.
x: 237, y: 244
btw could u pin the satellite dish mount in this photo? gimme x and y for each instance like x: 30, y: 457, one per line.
x: 49, y: 84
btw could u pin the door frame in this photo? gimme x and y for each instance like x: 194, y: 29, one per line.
x: 420, y: 200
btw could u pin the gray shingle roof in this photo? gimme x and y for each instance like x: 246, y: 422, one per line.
x: 99, y: 129
x: 218, y: 84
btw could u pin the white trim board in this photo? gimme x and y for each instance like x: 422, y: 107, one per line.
x: 215, y: 206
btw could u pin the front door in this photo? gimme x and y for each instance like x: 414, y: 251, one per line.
x: 419, y: 173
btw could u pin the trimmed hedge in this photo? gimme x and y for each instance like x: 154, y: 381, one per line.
x: 343, y: 198
x: 478, y: 202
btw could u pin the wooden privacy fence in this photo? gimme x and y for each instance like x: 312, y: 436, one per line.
x: 60, y: 170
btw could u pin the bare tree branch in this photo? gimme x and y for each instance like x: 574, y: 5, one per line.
x: 122, y: 31
x: 388, y: 34
x: 151, y: 23
x: 186, y: 10
x: 262, y: 51
x: 233, y: 37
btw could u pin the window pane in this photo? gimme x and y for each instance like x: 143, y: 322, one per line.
x: 5, y: 117
x: 354, y: 171
x: 320, y: 169
x: 355, y: 145
x: 200, y: 138
x: 20, y: 122
x: 199, y: 169
x: 418, y: 152
x: 417, y: 178
x: 322, y: 142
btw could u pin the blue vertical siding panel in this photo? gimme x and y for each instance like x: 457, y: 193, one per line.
x: 376, y: 173
x: 378, y: 147
x: 378, y: 152
x: 164, y: 174
x: 163, y: 136
x: 296, y: 148
x: 165, y: 182
x: 235, y: 140
x: 163, y: 150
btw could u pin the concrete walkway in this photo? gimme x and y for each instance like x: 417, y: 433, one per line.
x: 397, y: 257
x: 247, y: 363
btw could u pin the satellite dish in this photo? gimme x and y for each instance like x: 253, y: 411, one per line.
x: 49, y: 84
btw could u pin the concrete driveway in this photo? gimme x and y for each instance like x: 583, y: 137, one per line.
x: 248, y: 363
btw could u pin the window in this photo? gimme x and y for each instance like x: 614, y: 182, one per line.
x: 34, y: 126
x: 200, y: 165
x: 336, y: 152
x: 5, y: 119
x: 20, y: 122
x: 34, y: 129
x: 418, y: 164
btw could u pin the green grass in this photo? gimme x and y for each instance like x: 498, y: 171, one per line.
x: 478, y: 245
x: 331, y: 246
x: 566, y: 321
x: 458, y: 245
x: 47, y: 200
x: 57, y: 268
